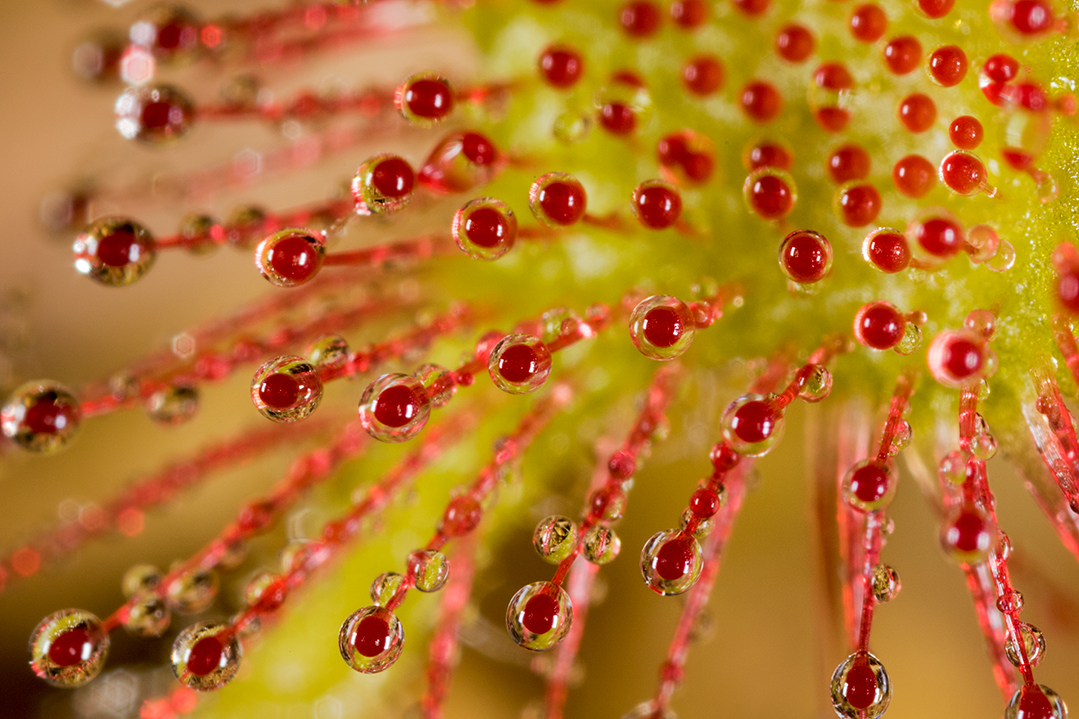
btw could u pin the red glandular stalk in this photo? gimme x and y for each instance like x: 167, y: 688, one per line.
x: 125, y: 513
x: 477, y: 493
x: 336, y: 535
x: 197, y: 354
x: 443, y: 649
x: 259, y: 516
x: 605, y: 495
x: 986, y: 565
x: 732, y: 480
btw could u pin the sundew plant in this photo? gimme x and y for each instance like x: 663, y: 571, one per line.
x: 437, y: 358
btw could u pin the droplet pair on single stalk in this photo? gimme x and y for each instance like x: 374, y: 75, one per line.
x: 671, y: 561
x: 371, y: 638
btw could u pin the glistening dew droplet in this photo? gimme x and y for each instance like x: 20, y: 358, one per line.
x: 461, y: 162
x: 879, y: 325
x: 329, y: 352
x: 206, y: 656
x: 247, y: 225
x: 911, y: 341
x: 68, y: 648
x: 385, y: 586
x: 173, y: 404
x: 291, y: 257
x: 600, y: 544
x: 935, y: 236
x: 485, y: 228
x: 539, y: 616
x: 885, y: 583
x: 428, y: 569
x: 371, y: 639
x: 1035, y: 701
x: 770, y: 193
x: 656, y: 204
x: 114, y: 251
x: 40, y: 416
x: 140, y: 578
x: 959, y: 358
x: 702, y: 526
x: 860, y: 687
x: 752, y: 424
x: 661, y: 327
x: 968, y: 535
x: 147, y: 616
x: 817, y: 385
x: 439, y: 383
x: 519, y: 364
x: 671, y: 562
x: 394, y: 408
x: 193, y: 591
x: 805, y: 256
x: 983, y: 446
x: 266, y: 591
x: 1033, y: 645
x: 557, y: 199
x: 953, y: 467
x: 170, y: 32
x: 555, y: 538
x: 201, y: 234
x: 155, y: 114
x: 623, y: 105
x: 286, y: 389
x: 561, y: 66
x: 869, y: 486
x: 425, y: 99
x: 383, y: 185
x: 886, y: 250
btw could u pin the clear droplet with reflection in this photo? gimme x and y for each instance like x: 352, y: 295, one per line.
x: 429, y: 569
x: 147, y: 616
x: 329, y: 352
x: 1033, y: 644
x: 173, y: 404
x: 438, y: 381
x: 885, y: 583
x: 140, y: 578
x: 601, y: 545
x: 555, y: 538
x: 817, y: 386
x: 385, y: 586
x: 192, y: 592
